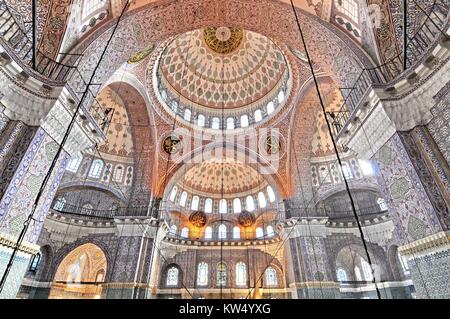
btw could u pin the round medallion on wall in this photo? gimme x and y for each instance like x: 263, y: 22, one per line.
x: 198, y: 219
x: 171, y: 144
x: 246, y: 219
x: 272, y: 144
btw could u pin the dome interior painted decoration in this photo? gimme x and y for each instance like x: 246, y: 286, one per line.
x: 222, y: 176
x: 220, y: 70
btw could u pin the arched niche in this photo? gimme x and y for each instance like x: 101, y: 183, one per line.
x: 80, y: 274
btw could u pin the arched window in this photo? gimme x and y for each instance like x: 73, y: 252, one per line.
x: 185, y: 232
x: 358, y: 274
x: 208, y: 232
x: 221, y: 274
x: 230, y: 123
x: 366, y: 167
x: 187, y: 115
x: 347, y: 171
x: 164, y: 95
x: 172, y: 276
x: 35, y: 262
x: 74, y: 164
x: 244, y: 120
x: 173, y: 230
x: 271, y: 277
x: 223, y: 206
x: 271, y: 194
x: 202, y: 274
x: 241, y: 274
x: 270, y: 108
x: 194, y: 203
x: 222, y: 231
x: 96, y: 168
x: 173, y: 194
x: 175, y: 106
x: 236, y: 232
x: 281, y: 97
x: 201, y: 120
x: 183, y: 199
x: 91, y: 6
x: 259, y: 232
x: 249, y: 203
x: 118, y: 173
x: 270, y: 231
x: 59, y: 204
x: 349, y: 8
x: 367, y: 270
x: 215, y: 124
x: 258, y: 115
x: 208, y: 205
x: 262, y: 200
x: 382, y: 203
x: 237, y: 206
x: 341, y: 275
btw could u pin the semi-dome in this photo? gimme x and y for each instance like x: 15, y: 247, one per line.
x: 222, y: 176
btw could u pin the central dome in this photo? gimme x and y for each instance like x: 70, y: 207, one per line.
x: 219, y: 71
x: 222, y: 67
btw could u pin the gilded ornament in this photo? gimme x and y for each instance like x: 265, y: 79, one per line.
x: 141, y: 55
x: 223, y: 40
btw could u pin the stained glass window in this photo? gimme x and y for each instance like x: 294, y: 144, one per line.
x: 271, y: 277
x: 221, y: 275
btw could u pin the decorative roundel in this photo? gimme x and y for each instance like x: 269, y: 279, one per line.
x: 272, y: 145
x: 141, y: 55
x: 198, y: 219
x: 246, y: 219
x: 171, y: 144
x: 223, y: 40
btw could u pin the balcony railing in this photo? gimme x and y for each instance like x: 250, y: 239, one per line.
x: 18, y: 44
x: 18, y: 41
x: 91, y: 213
x: 436, y: 19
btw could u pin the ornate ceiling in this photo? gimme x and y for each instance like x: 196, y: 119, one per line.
x: 222, y: 176
x: 221, y: 67
x: 321, y: 141
x: 213, y: 67
x: 119, y: 142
